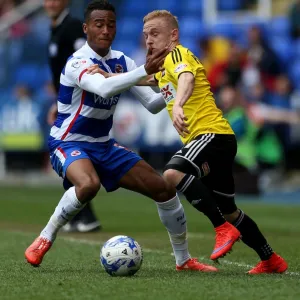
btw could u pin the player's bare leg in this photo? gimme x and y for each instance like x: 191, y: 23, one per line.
x: 199, y: 196
x: 143, y: 179
x: 83, y: 176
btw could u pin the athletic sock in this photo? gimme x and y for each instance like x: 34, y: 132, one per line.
x: 172, y: 215
x: 66, y: 209
x: 252, y: 236
x: 201, y: 198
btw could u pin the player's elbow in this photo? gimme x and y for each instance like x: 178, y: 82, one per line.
x: 155, y: 107
x: 105, y: 90
x: 154, y: 110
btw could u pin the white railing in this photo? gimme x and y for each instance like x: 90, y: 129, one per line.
x: 212, y: 15
x: 17, y: 14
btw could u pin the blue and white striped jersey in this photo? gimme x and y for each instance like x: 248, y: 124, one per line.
x: 82, y: 115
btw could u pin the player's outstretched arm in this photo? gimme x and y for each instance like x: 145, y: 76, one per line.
x: 186, y: 82
x: 76, y: 70
x: 153, y: 102
x: 147, y: 81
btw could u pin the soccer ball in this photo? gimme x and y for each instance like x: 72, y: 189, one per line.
x: 121, y: 256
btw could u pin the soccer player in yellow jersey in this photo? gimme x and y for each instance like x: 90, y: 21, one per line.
x: 202, y: 169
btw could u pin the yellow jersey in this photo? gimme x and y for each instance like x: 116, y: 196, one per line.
x: 200, y: 109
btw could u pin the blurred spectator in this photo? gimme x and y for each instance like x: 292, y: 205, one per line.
x: 213, y: 51
x: 294, y: 16
x: 228, y: 72
x: 5, y: 6
x: 258, y: 146
x: 262, y: 57
x: 280, y: 99
x: 20, y: 28
x: 20, y: 114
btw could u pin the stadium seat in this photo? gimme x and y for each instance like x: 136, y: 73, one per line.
x: 225, y: 28
x: 170, y: 5
x: 191, y: 44
x: 279, y: 26
x: 192, y: 27
x: 296, y: 46
x: 192, y: 8
x: 125, y: 45
x: 229, y: 5
x: 294, y: 73
x: 282, y: 47
x: 39, y: 29
x: 32, y: 75
x: 130, y: 28
x: 135, y: 8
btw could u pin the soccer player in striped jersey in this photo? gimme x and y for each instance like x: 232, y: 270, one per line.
x: 82, y: 151
x: 202, y: 169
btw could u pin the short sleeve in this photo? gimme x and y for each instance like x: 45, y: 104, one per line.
x: 179, y: 61
x: 75, y: 68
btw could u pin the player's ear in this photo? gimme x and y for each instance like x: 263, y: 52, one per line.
x: 175, y: 35
x: 84, y: 26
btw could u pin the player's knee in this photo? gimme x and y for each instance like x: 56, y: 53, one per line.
x: 163, y: 191
x: 88, y: 188
x: 173, y: 177
x: 232, y: 217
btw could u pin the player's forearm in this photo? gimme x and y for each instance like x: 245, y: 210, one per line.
x: 108, y: 87
x: 152, y: 101
x: 185, y: 88
x: 148, y: 81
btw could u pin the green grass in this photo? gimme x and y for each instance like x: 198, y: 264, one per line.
x: 71, y: 270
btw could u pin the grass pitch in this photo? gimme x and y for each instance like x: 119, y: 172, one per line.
x: 71, y: 270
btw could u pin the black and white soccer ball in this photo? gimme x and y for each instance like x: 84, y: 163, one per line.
x: 121, y: 256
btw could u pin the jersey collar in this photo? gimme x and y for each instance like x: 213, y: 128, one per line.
x: 94, y: 54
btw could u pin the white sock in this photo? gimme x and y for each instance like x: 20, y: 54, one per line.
x: 172, y: 215
x: 67, y: 208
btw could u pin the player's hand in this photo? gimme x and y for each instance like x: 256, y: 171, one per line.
x: 179, y: 121
x: 52, y: 114
x: 94, y: 69
x: 155, y: 61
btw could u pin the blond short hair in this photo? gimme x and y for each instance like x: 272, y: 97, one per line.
x: 171, y: 19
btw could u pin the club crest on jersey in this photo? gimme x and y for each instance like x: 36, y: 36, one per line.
x: 76, y: 64
x: 119, y: 68
x: 75, y: 153
x: 180, y: 68
x: 168, y: 91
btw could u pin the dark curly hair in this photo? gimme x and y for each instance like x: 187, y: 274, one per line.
x: 97, y: 5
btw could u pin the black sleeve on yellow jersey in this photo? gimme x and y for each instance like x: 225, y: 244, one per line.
x: 180, y: 61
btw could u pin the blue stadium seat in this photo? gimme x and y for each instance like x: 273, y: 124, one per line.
x: 282, y: 47
x: 279, y: 26
x: 170, y: 5
x: 191, y: 44
x: 294, y: 73
x: 32, y: 75
x: 130, y: 28
x: 125, y: 46
x: 192, y: 27
x: 229, y: 5
x: 135, y: 8
x: 296, y: 46
x: 225, y: 28
x: 192, y: 8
